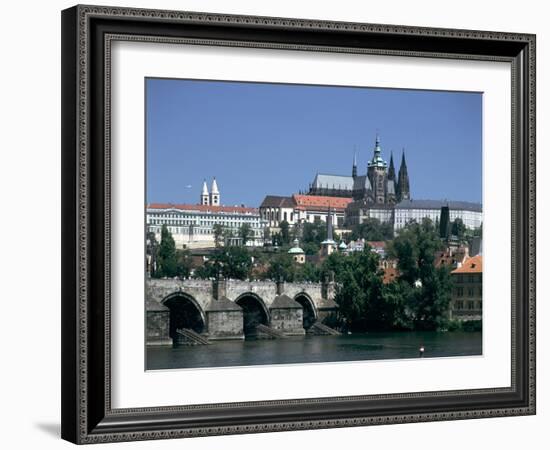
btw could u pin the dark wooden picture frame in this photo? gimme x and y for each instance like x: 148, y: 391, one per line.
x: 87, y: 415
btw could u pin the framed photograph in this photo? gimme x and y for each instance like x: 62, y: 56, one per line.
x: 280, y: 224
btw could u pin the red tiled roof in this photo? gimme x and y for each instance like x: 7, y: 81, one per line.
x: 320, y: 201
x: 205, y: 208
x: 377, y: 244
x: 471, y: 265
x: 390, y: 274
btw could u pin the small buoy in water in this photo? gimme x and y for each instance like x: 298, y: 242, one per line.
x: 421, y: 352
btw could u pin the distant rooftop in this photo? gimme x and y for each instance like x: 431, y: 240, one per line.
x: 471, y: 265
x: 329, y: 181
x: 438, y: 204
x: 277, y: 201
x: 203, y: 208
x: 321, y: 201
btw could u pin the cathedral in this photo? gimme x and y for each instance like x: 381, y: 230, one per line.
x: 374, y: 194
x: 378, y: 186
x: 377, y: 192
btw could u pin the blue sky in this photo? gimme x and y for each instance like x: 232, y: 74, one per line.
x: 260, y: 139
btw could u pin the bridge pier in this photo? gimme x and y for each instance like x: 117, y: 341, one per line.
x: 157, y: 324
x: 287, y: 316
x: 224, y: 320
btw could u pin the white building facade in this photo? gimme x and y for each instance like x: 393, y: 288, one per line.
x: 415, y: 210
x: 192, y: 226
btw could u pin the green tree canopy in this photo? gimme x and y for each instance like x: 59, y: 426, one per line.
x: 245, y: 233
x: 426, y: 289
x: 167, y: 262
x: 285, y: 231
x: 372, y: 230
x: 228, y: 262
x: 218, y: 234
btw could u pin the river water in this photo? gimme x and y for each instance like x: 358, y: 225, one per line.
x: 355, y: 347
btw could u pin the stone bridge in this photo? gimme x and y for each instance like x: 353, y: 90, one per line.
x: 234, y: 309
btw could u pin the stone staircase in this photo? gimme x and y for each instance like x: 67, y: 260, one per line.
x: 319, y: 328
x: 265, y: 331
x: 192, y: 337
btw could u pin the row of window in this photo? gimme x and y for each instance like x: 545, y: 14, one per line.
x: 474, y: 278
x: 467, y: 305
x: 470, y: 291
x: 204, y: 223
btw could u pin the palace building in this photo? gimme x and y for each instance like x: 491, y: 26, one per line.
x: 192, y: 226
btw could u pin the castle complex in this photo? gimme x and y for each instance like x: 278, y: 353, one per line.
x: 380, y: 193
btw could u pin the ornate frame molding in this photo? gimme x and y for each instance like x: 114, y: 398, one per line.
x: 88, y: 31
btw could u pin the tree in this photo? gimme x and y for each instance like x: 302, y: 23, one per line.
x: 167, y: 263
x: 218, y: 234
x: 425, y: 288
x: 285, y: 231
x: 458, y: 228
x: 444, y: 223
x: 229, y: 262
x: 245, y: 232
x: 183, y: 263
x: 372, y: 230
x: 314, y: 233
x: 358, y: 288
x: 281, y: 266
x: 227, y: 235
x: 307, y: 272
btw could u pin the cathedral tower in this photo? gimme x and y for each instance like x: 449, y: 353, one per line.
x: 403, y: 189
x: 354, y: 167
x: 214, y: 194
x: 205, y: 198
x: 377, y: 173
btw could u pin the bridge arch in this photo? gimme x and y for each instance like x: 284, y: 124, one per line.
x: 185, y: 312
x: 255, y: 312
x: 310, y: 313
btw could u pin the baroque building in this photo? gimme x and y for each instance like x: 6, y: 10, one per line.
x: 194, y: 226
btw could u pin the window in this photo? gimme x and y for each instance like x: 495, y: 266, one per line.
x: 470, y: 292
x: 460, y: 292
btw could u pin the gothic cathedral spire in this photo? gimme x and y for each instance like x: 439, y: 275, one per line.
x: 403, y: 188
x: 391, y: 170
x: 354, y: 167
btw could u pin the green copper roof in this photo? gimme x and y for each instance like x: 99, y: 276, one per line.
x: 377, y: 160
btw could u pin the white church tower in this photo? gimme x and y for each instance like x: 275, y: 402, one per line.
x: 214, y: 194
x: 205, y: 198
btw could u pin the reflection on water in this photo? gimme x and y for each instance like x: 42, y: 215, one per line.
x: 356, y: 347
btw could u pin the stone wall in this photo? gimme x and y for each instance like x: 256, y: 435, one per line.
x: 158, y: 328
x: 224, y: 325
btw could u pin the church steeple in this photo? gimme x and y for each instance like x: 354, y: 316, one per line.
x: 354, y: 167
x: 391, y: 170
x: 214, y: 194
x: 403, y: 189
x: 205, y: 198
